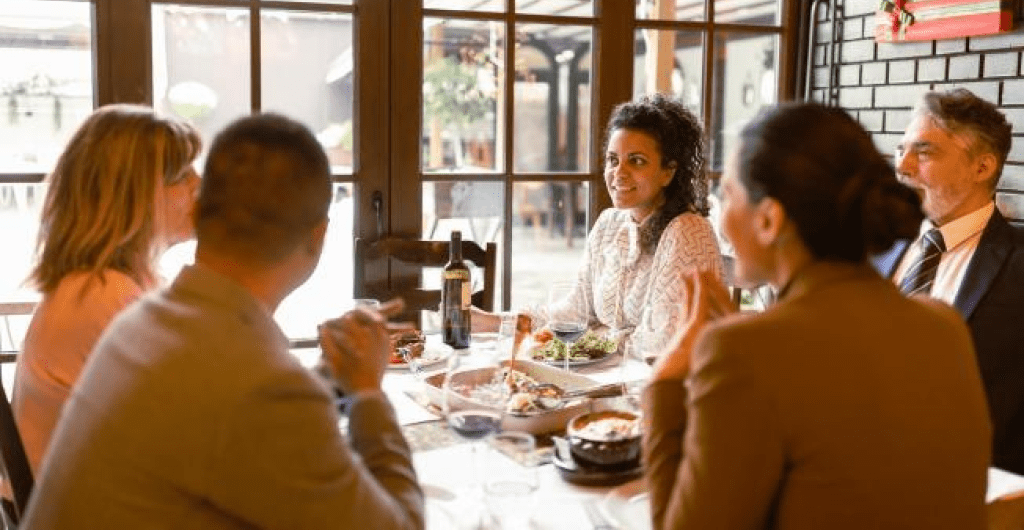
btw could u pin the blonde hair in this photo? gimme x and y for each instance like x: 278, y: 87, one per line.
x: 104, y: 206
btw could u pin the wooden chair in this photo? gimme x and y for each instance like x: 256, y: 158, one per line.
x: 9, y: 344
x: 375, y: 268
x: 14, y: 464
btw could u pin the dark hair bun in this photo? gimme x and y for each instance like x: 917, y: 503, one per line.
x: 823, y: 167
x: 877, y: 206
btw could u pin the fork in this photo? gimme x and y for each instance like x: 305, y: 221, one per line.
x: 596, y: 519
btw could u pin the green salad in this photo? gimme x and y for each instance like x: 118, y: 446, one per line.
x: 590, y: 346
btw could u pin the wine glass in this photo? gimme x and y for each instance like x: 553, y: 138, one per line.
x: 474, y: 397
x: 566, y: 320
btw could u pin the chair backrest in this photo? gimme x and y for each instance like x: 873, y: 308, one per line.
x: 9, y: 344
x: 374, y: 276
x: 14, y: 462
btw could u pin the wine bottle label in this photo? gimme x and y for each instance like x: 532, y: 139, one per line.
x: 466, y: 295
x: 456, y: 275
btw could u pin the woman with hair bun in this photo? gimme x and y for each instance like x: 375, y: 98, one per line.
x: 121, y: 193
x: 629, y: 282
x: 844, y: 406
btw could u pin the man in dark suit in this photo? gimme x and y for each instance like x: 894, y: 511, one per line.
x: 952, y: 154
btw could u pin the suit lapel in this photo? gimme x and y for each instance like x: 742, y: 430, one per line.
x: 886, y: 262
x: 993, y: 248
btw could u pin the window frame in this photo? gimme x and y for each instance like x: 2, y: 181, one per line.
x: 388, y: 44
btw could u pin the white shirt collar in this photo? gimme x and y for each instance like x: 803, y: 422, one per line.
x: 963, y: 228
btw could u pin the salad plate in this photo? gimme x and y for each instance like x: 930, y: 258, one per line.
x: 552, y: 351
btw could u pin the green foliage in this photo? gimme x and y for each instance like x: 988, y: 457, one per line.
x: 451, y: 93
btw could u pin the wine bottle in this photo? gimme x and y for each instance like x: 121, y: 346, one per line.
x: 455, y: 299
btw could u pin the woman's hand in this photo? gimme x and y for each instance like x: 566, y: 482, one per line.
x: 357, y: 346
x: 709, y: 301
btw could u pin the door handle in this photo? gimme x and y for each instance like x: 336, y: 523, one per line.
x: 377, y: 200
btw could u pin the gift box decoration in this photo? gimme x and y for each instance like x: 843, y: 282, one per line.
x: 906, y: 20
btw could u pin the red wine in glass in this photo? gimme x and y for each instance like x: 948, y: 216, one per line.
x: 567, y: 332
x: 474, y: 424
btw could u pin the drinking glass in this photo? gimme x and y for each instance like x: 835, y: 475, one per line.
x: 566, y: 320
x: 505, y: 342
x: 635, y: 372
x: 511, y: 479
x: 369, y: 303
x: 474, y: 397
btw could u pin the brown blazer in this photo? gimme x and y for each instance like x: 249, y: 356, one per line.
x: 845, y: 406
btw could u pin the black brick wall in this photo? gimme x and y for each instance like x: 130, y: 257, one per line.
x: 879, y: 83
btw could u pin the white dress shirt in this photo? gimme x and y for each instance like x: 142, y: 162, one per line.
x: 961, y: 237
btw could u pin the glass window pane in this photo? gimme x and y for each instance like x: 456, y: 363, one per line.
x: 565, y: 8
x: 463, y: 96
x: 46, y: 82
x: 689, y: 10
x: 326, y: 294
x: 746, y: 80
x: 756, y: 12
x: 466, y: 5
x: 201, y: 65
x: 670, y: 62
x: 543, y: 249
x: 476, y: 208
x: 20, y: 207
x: 552, y: 98
x: 318, y: 89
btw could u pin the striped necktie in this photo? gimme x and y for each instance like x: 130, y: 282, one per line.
x: 921, y: 274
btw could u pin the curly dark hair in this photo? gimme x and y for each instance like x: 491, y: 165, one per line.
x: 680, y: 138
x: 823, y: 167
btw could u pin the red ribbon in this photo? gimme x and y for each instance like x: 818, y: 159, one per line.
x: 899, y: 15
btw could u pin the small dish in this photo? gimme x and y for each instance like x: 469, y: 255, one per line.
x: 607, y: 438
x: 434, y: 353
x: 585, y: 475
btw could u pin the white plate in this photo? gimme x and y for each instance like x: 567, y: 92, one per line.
x: 435, y: 352
x: 628, y: 506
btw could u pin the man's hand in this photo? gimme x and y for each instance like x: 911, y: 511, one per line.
x: 357, y: 345
x: 709, y: 301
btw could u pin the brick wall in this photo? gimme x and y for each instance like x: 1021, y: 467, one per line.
x: 879, y: 83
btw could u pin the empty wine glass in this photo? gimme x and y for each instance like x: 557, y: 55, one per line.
x: 474, y: 397
x: 566, y: 319
x: 511, y: 479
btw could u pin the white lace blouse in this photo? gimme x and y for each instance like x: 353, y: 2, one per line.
x: 639, y: 296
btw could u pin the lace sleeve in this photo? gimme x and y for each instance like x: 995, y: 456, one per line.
x: 687, y: 244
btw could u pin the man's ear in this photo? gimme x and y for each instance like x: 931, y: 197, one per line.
x: 985, y: 166
x: 770, y: 217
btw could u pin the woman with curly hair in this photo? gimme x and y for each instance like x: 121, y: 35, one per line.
x: 630, y: 282
x: 121, y: 193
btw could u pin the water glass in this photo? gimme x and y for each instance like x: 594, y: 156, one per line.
x: 506, y: 339
x: 511, y: 479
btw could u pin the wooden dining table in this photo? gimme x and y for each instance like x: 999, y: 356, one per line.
x: 443, y: 464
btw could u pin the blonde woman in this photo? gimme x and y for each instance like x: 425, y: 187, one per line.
x: 121, y: 193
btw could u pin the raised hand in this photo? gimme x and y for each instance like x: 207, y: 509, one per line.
x: 357, y: 345
x: 709, y: 301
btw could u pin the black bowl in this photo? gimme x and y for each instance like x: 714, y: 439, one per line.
x: 595, y: 449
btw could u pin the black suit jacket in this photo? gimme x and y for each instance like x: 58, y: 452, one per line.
x: 991, y: 300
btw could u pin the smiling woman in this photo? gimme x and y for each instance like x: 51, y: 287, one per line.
x: 629, y: 285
